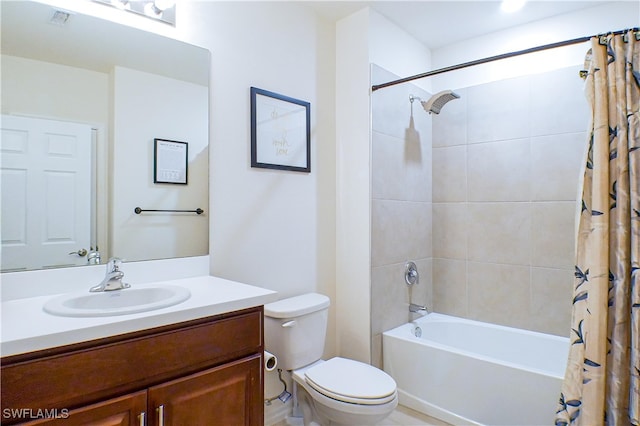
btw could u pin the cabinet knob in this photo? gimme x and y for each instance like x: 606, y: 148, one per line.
x: 160, y: 411
x: 142, y: 417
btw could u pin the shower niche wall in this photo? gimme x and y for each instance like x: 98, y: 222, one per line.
x: 483, y: 201
x: 401, y: 207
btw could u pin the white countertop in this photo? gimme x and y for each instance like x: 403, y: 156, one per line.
x: 26, y: 327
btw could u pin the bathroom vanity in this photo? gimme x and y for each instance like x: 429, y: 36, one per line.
x: 206, y: 366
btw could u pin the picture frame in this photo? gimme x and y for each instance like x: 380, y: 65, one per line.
x: 280, y: 132
x: 170, y: 163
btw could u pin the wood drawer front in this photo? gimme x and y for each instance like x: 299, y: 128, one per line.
x: 84, y: 376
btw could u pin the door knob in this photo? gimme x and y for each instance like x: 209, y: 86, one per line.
x: 82, y: 252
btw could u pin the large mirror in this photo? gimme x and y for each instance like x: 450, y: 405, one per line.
x: 84, y: 101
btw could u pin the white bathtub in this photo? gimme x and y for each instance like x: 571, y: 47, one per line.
x: 469, y: 372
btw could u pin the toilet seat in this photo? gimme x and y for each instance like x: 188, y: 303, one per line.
x: 351, y: 381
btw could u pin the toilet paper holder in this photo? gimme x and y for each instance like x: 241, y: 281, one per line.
x: 270, y: 361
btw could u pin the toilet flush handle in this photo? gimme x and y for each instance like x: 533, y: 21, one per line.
x: 289, y: 323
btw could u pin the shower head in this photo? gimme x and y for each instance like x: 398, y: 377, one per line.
x: 437, y: 101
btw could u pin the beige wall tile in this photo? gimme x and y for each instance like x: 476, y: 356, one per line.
x: 400, y: 230
x: 558, y: 104
x: 450, y: 227
x: 552, y: 234
x: 391, y: 109
x: 502, y: 206
x: 401, y: 167
x: 450, y: 287
x: 389, y: 298
x: 498, y: 111
x: 499, y: 293
x: 551, y: 295
x: 499, y: 171
x: 556, y: 165
x: 376, y: 350
x: 450, y: 174
x: 499, y: 232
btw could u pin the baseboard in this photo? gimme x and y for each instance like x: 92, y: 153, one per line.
x: 277, y: 413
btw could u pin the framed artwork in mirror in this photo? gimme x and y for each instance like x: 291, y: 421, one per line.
x: 170, y: 161
x: 280, y: 132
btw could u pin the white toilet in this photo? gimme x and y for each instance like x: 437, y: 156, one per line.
x: 335, y: 392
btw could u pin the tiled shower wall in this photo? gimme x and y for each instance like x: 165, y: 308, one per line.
x: 506, y: 161
x: 481, y: 197
x: 401, y: 205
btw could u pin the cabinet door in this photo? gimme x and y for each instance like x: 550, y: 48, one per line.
x: 230, y: 394
x: 126, y: 410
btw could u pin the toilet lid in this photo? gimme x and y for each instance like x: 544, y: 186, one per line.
x: 351, y: 381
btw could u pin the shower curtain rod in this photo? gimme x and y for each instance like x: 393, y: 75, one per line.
x: 494, y: 58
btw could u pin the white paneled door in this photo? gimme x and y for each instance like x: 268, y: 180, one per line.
x: 46, y: 193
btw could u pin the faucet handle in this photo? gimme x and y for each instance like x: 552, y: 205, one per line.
x: 411, y: 275
x: 114, y: 264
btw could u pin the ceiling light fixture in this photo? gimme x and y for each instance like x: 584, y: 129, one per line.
x: 510, y: 6
x: 120, y: 4
x: 164, y: 4
x: 161, y: 10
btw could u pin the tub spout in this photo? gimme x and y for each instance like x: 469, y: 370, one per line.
x: 418, y: 309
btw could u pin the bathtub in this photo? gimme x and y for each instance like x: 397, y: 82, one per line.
x: 469, y: 372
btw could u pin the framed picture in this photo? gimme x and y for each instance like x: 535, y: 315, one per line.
x: 170, y: 161
x: 280, y: 132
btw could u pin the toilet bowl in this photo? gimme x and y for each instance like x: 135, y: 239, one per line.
x: 338, y: 391
x: 341, y: 391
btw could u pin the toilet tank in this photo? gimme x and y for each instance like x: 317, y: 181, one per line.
x: 295, y: 329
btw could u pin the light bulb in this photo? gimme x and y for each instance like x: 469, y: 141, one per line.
x: 120, y: 4
x: 164, y: 4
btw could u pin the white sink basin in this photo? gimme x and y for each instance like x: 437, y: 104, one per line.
x: 118, y: 302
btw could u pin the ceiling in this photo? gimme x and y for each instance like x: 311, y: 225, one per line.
x: 438, y: 23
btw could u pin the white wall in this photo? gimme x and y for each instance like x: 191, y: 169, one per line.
x: 148, y: 106
x: 586, y: 22
x: 268, y: 228
x: 37, y: 88
x: 393, y: 49
x: 362, y: 38
x: 274, y: 229
x: 267, y: 225
x: 353, y: 263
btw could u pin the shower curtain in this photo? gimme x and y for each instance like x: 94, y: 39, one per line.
x: 602, y: 380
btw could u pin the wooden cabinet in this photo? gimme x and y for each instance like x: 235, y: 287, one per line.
x: 207, y: 371
x: 128, y: 410
x: 221, y: 396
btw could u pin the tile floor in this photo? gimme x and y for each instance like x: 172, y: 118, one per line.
x: 402, y: 416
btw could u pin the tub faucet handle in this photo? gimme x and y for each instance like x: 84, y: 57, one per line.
x: 411, y: 275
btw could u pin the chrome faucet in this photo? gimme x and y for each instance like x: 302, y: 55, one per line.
x: 112, y: 279
x: 93, y: 258
x: 418, y: 309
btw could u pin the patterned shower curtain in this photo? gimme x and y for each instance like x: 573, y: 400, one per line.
x: 602, y: 380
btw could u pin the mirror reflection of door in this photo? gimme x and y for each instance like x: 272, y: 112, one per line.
x: 46, y: 199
